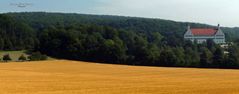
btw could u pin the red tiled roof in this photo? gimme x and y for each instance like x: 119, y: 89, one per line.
x: 203, y: 32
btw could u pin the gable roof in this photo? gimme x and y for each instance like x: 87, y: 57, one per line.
x: 203, y: 32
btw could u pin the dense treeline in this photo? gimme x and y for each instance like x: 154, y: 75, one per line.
x: 39, y: 20
x: 117, y: 40
x: 109, y: 45
x: 15, y: 35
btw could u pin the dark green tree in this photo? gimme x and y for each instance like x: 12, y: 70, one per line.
x: 153, y: 55
x: 180, y: 61
x: 211, y: 45
x: 36, y: 56
x: 218, y: 58
x: 22, y: 58
x: 6, y: 58
x: 233, y: 58
x: 192, y: 58
x: 205, y: 58
x: 167, y: 58
x: 1, y: 44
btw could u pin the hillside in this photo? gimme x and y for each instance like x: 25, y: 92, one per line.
x: 75, y: 77
x: 165, y: 27
x: 114, y: 39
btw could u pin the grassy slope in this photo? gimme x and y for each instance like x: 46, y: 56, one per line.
x: 13, y: 54
x: 16, y: 54
x: 72, y: 77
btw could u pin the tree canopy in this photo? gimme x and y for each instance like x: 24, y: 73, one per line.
x: 113, y: 39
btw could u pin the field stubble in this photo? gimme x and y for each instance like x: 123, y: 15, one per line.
x: 73, y: 77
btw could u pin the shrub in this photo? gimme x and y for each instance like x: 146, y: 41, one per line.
x: 22, y: 58
x: 6, y: 58
x: 37, y: 56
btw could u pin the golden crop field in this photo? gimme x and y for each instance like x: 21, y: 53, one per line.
x: 73, y: 77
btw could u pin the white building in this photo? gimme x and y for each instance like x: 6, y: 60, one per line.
x: 201, y: 35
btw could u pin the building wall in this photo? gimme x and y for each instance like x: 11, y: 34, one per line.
x: 218, y: 38
x: 202, y: 39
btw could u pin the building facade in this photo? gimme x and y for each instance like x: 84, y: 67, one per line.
x: 201, y: 35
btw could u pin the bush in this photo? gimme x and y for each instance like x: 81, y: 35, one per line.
x: 37, y: 56
x: 22, y: 58
x: 6, y: 58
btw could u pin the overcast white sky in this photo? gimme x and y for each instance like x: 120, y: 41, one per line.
x: 225, y: 12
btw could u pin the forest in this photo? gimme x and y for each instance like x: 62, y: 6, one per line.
x: 115, y: 40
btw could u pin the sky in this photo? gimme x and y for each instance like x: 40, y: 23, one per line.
x: 224, y: 12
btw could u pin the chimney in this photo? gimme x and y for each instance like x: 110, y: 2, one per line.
x: 218, y: 26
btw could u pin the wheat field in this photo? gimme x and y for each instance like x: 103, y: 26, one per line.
x: 73, y: 77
